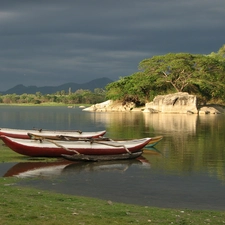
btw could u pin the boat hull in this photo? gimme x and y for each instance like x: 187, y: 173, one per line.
x: 23, y: 134
x: 50, y: 148
x: 95, y: 158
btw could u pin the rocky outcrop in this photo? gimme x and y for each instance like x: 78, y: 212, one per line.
x: 211, y: 109
x: 111, y: 106
x: 180, y: 102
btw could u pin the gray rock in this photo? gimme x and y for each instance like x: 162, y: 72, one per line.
x: 180, y: 102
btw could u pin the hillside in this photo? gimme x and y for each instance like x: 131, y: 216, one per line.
x: 21, y: 89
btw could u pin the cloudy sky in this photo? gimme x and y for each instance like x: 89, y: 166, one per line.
x: 52, y: 42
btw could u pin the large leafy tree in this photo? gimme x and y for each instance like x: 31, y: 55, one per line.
x: 173, y: 69
x: 183, y: 71
x: 203, y: 75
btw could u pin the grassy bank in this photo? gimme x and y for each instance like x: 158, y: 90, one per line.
x: 20, y: 205
x: 23, y: 205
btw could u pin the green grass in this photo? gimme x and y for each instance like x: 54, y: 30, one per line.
x: 21, y: 205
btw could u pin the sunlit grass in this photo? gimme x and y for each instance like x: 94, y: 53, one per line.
x: 20, y: 205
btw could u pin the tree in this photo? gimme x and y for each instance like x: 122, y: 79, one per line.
x: 173, y: 69
x: 220, y: 54
x: 221, y: 51
x: 202, y: 75
x: 198, y: 74
x: 116, y: 90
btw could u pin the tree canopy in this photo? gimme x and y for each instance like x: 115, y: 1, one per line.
x: 202, y: 75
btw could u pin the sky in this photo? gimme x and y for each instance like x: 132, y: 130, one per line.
x: 53, y: 42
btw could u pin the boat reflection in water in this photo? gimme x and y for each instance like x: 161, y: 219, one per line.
x: 53, y: 169
x: 115, y: 166
x: 37, y: 169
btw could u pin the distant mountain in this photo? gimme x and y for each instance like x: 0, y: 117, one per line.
x: 21, y: 89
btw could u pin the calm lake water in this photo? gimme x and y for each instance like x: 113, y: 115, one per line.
x: 186, y: 170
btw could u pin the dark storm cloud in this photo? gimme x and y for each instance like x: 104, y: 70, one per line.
x: 52, y: 42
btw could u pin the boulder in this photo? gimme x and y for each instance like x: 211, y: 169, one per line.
x: 180, y: 102
x: 111, y: 106
x: 211, y: 109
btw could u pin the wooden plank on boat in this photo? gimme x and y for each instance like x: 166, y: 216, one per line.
x: 66, y: 138
x: 94, y: 158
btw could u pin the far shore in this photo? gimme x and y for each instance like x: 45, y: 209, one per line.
x: 45, y: 104
x: 209, y: 108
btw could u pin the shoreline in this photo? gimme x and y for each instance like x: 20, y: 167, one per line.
x: 116, y: 106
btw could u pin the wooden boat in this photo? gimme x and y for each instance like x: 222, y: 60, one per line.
x: 154, y: 141
x: 51, y: 134
x: 95, y: 158
x: 52, y: 148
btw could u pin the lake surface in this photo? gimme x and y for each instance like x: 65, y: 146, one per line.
x: 186, y: 170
